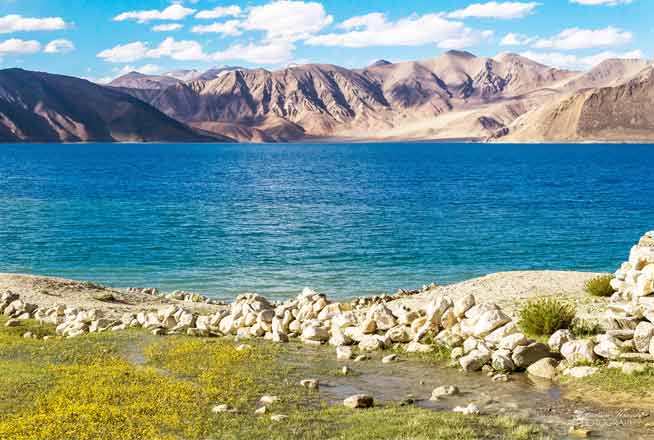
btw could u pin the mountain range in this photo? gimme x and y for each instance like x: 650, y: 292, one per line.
x: 456, y: 96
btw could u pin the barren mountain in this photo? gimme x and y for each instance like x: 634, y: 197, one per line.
x: 40, y: 107
x: 456, y: 95
x: 619, y: 113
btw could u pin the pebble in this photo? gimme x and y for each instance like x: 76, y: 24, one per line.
x: 312, y: 384
x: 470, y: 410
x: 359, y: 401
x: 268, y: 400
x: 388, y: 359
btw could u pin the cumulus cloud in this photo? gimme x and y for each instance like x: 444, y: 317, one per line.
x: 570, y: 61
x: 59, y: 46
x: 287, y: 19
x: 185, y: 50
x: 125, y: 53
x: 173, y: 12
x: 167, y: 27
x: 17, y: 46
x: 219, y: 12
x: 512, y: 39
x: 18, y: 23
x: 230, y: 27
x: 601, y: 2
x: 375, y: 30
x: 276, y: 52
x: 504, y: 10
x: 577, y: 38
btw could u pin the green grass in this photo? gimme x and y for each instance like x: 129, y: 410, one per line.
x: 131, y: 385
x: 544, y: 316
x: 600, y: 286
x: 583, y: 328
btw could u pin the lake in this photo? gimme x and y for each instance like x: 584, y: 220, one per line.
x: 344, y: 219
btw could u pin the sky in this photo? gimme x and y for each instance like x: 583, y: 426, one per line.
x: 102, y: 39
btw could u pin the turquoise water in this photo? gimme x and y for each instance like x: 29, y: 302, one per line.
x: 344, y: 219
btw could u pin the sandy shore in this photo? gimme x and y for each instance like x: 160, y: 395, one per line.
x: 507, y: 289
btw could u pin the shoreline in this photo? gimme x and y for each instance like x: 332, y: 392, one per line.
x: 507, y: 289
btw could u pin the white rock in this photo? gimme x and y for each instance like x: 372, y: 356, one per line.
x: 501, y: 361
x: 581, y: 351
x: 359, y: 401
x: 343, y: 353
x: 462, y: 305
x: 444, y: 391
x: 371, y: 343
x: 643, y: 335
x: 559, y: 338
x: 470, y: 410
x: 513, y: 341
x: 496, y: 336
x: 474, y: 360
x: 489, y: 321
x: 580, y: 372
x: 315, y: 333
x: 388, y: 359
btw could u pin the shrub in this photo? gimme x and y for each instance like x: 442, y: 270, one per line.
x: 600, y: 286
x: 544, y: 316
x: 582, y: 328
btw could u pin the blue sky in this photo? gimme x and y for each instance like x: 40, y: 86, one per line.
x: 100, y: 39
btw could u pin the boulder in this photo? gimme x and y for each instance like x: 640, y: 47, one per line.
x: 462, y: 305
x: 559, y: 338
x: 417, y: 347
x: 497, y: 335
x: 382, y: 316
x: 513, y: 341
x: 343, y: 353
x: 474, y: 360
x: 315, y: 333
x: 400, y: 334
x: 501, y: 361
x: 489, y: 321
x: 643, y: 335
x: 371, y: 343
x: 544, y: 368
x: 581, y: 351
x: 523, y: 356
x: 608, y: 348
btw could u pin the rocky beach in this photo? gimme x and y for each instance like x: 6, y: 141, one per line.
x: 473, y: 326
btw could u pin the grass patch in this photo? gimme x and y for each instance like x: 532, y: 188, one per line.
x: 583, y: 328
x: 544, y: 316
x: 600, y: 286
x: 131, y: 385
x: 611, y: 386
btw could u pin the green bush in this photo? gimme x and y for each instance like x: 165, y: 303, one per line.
x: 544, y: 316
x: 600, y: 286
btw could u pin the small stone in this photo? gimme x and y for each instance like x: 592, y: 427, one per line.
x: 159, y: 331
x: 359, y: 401
x: 361, y: 358
x: 261, y: 411
x: 346, y: 370
x: 12, y: 323
x: 343, y: 353
x: 278, y: 418
x: 577, y: 431
x: 222, y: 409
x: 470, y: 410
x: 268, y: 400
x: 388, y: 359
x: 312, y: 384
x: 444, y: 391
x: 502, y: 377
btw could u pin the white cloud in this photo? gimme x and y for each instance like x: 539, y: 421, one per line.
x: 148, y: 69
x: 504, y: 10
x: 125, y: 53
x: 219, y: 12
x: 17, y: 23
x: 185, y: 50
x: 286, y: 19
x: 173, y: 12
x: 375, y: 30
x: 167, y: 27
x: 512, y: 39
x: 602, y: 2
x: 276, y: 52
x: 230, y: 27
x: 59, y: 46
x: 577, y: 38
x: 17, y: 46
x: 570, y: 61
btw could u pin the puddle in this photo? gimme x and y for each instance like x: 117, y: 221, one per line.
x: 538, y: 401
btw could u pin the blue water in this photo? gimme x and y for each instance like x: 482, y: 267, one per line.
x: 344, y: 219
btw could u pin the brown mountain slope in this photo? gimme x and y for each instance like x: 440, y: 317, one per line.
x: 383, y: 101
x: 621, y: 113
x: 40, y: 107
